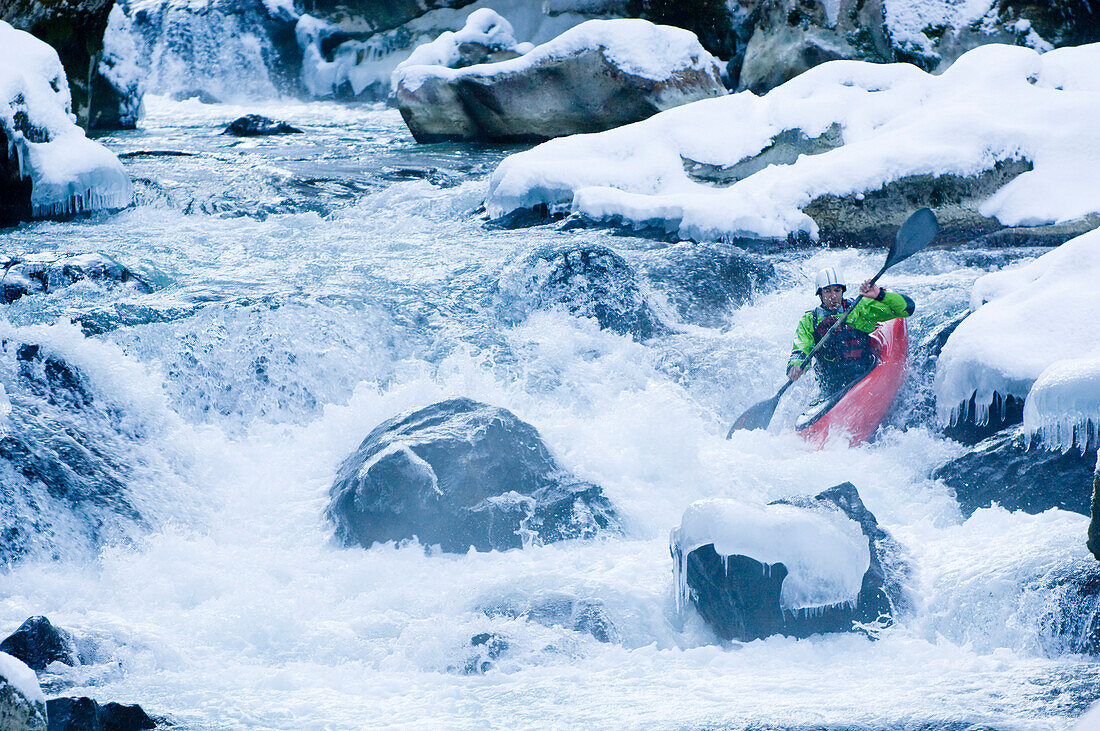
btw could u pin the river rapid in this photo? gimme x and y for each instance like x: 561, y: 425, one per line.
x: 311, y: 286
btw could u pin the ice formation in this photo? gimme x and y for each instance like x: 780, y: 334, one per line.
x: 1026, y: 325
x: 825, y: 551
x: 637, y: 47
x: 69, y: 173
x: 996, y: 103
x: 21, y: 677
x: 1063, y: 407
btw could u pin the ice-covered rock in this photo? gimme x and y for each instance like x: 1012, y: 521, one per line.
x: 22, y: 705
x: 1063, y: 407
x: 460, y: 473
x: 587, y: 280
x: 47, y: 165
x: 38, y: 643
x: 1003, y: 470
x: 703, y: 282
x: 1027, y: 320
x: 85, y: 714
x: 999, y: 139
x: 598, y: 75
x: 256, y: 125
x: 795, y: 567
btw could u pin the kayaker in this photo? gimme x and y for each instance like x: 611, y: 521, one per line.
x: 848, y: 354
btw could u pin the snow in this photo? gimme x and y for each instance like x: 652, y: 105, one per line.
x: 21, y: 677
x: 69, y: 172
x: 636, y: 46
x: 484, y: 27
x: 825, y: 552
x: 1024, y: 320
x: 907, y: 19
x: 996, y: 103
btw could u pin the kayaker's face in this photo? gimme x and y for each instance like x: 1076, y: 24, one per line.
x: 832, y: 296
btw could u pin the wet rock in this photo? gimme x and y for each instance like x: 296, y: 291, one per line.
x: 38, y: 643
x: 255, y: 125
x: 489, y: 646
x: 85, y: 714
x: 1003, y: 470
x: 22, y: 706
x: 705, y: 281
x: 460, y: 473
x: 1068, y: 600
x: 785, y: 148
x: 42, y: 276
x: 559, y: 609
x: 739, y: 596
x: 587, y: 280
x: 584, y: 91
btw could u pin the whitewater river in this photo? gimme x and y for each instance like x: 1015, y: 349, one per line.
x: 311, y: 286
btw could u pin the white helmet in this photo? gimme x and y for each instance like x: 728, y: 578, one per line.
x: 827, y: 277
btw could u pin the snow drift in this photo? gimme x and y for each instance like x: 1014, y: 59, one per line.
x: 869, y: 126
x: 67, y: 172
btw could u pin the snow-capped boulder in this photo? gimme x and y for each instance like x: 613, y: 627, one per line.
x: 598, y: 75
x: 1003, y: 470
x: 45, y: 274
x: 22, y: 705
x: 703, y: 282
x: 257, y: 125
x: 460, y: 473
x: 586, y: 280
x: 38, y: 643
x: 1026, y: 320
x: 796, y: 567
x: 85, y: 714
x: 1002, y: 138
x: 47, y: 165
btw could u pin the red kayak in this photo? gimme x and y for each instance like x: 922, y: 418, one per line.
x: 859, y: 411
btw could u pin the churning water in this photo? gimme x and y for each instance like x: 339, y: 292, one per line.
x: 313, y: 285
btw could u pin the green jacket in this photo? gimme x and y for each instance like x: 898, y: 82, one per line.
x: 865, y: 316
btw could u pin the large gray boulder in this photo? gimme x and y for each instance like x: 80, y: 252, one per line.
x: 460, y: 473
x: 741, y: 597
x: 22, y: 705
x: 598, y: 75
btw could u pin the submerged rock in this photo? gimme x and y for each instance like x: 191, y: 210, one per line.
x: 488, y: 647
x: 22, y: 705
x: 42, y: 276
x: 599, y: 75
x: 256, y: 125
x: 85, y: 714
x: 1068, y: 599
x: 743, y: 597
x: 587, y: 280
x: 1003, y: 470
x: 705, y: 281
x: 460, y: 473
x: 558, y: 609
x: 38, y: 643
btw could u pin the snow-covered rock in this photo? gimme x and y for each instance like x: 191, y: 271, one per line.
x: 1029, y: 323
x: 1002, y: 138
x: 598, y: 75
x: 48, y: 167
x: 586, y: 280
x: 22, y: 705
x: 797, y: 567
x: 458, y: 474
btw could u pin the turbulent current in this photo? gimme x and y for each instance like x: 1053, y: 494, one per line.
x: 309, y: 287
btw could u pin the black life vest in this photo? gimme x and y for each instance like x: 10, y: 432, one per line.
x: 848, y: 345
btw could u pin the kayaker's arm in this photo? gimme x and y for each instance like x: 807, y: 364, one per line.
x: 870, y: 312
x: 803, y: 344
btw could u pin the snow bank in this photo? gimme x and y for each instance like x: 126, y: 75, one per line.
x: 996, y: 103
x: 637, y: 47
x: 21, y: 677
x: 69, y: 172
x: 1024, y: 321
x: 825, y: 552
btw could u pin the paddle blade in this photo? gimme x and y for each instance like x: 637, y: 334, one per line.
x: 757, y: 417
x: 916, y: 233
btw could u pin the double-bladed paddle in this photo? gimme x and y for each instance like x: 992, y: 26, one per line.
x: 916, y: 233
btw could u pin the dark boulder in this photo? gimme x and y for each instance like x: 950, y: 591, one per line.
x: 255, y: 125
x: 42, y: 276
x: 38, y: 643
x: 705, y: 281
x: 460, y: 473
x: 587, y: 280
x: 1002, y: 469
x: 739, y: 596
x: 85, y: 714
